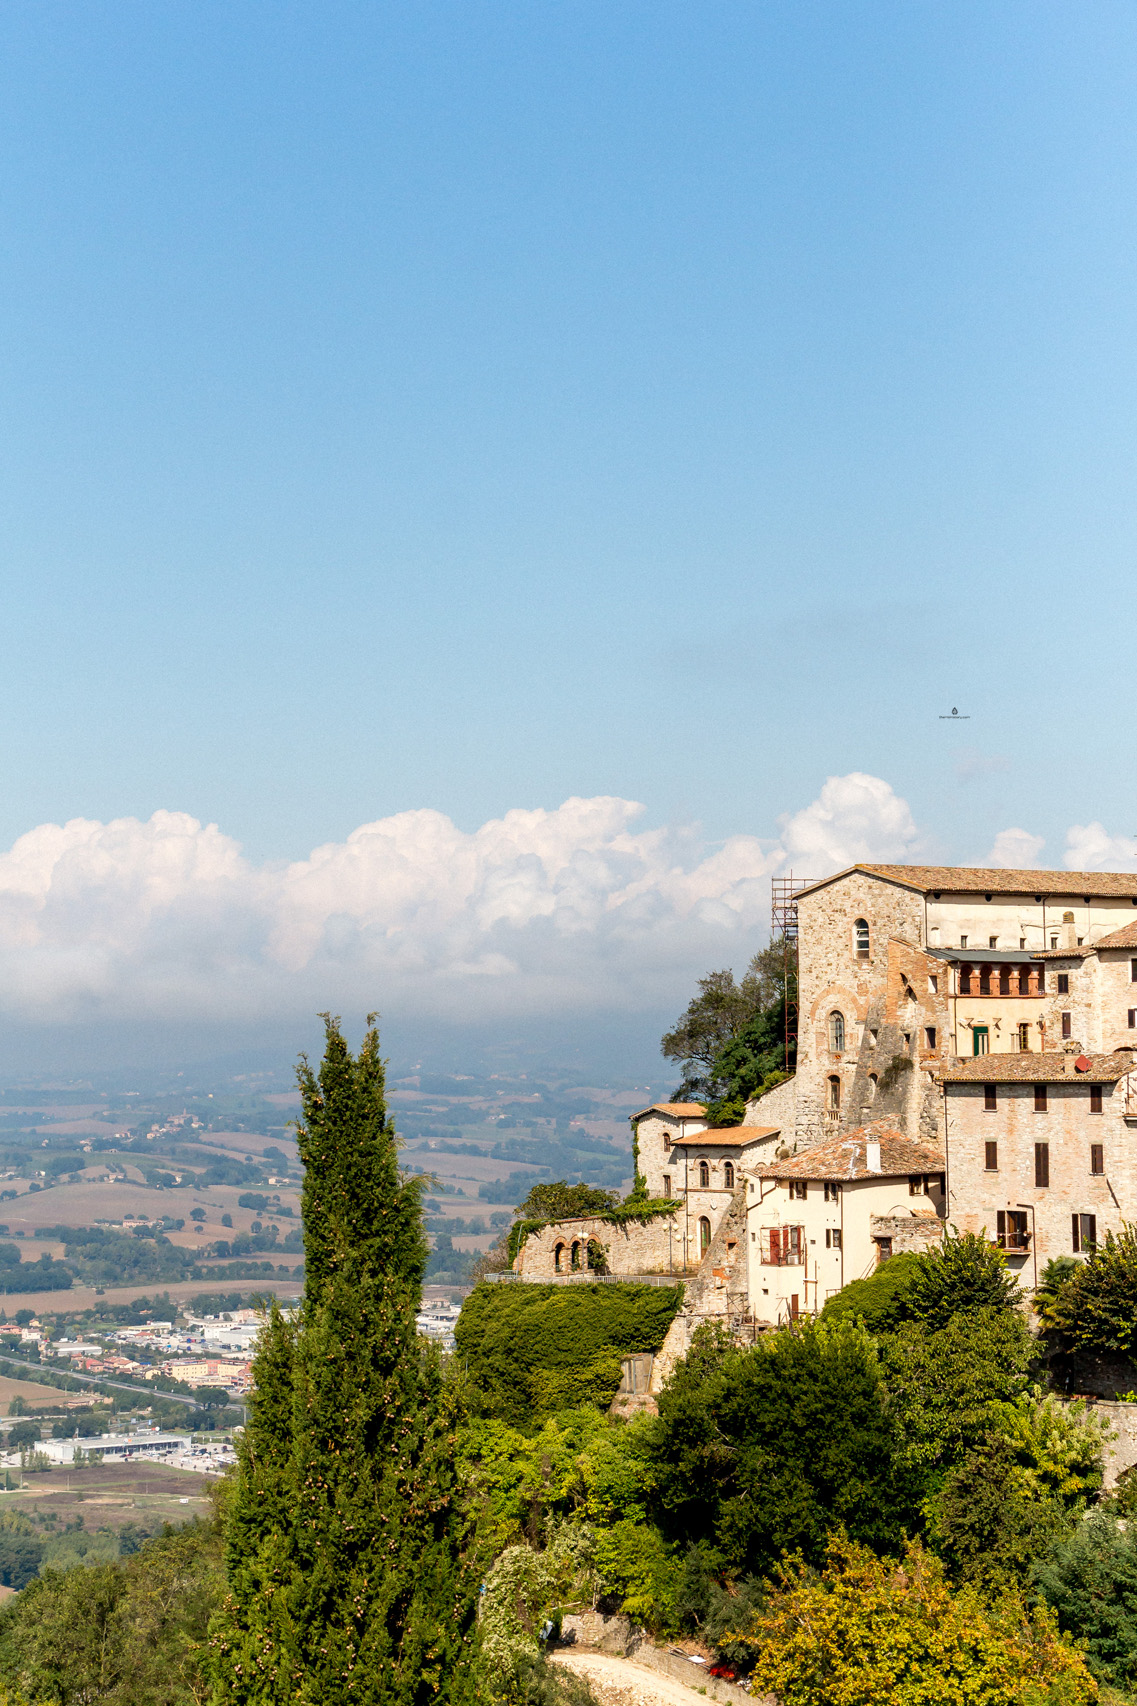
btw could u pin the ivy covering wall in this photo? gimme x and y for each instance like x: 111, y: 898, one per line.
x: 530, y: 1350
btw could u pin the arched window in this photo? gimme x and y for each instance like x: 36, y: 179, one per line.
x: 576, y: 1258
x: 704, y: 1235
x: 837, y: 1032
x: 834, y: 1094
x: 704, y: 1175
x: 558, y: 1258
x: 861, y: 938
x: 728, y: 1174
x: 872, y: 1086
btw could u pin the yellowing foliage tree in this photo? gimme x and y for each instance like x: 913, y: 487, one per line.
x: 869, y: 1630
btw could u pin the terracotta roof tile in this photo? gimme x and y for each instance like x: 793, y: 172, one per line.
x: 1037, y: 1069
x: 735, y: 1136
x: 1126, y: 937
x: 681, y: 1110
x: 845, y: 1158
x: 1063, y: 953
x: 978, y: 879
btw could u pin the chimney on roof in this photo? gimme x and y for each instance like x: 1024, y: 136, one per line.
x: 872, y: 1154
x: 1068, y: 939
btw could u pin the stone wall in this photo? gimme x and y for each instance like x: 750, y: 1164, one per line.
x: 718, y: 1292
x: 630, y: 1248
x: 918, y: 1232
x: 777, y: 1107
x: 832, y: 977
x: 1069, y: 1129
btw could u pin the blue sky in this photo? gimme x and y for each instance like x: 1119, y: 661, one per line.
x: 464, y: 407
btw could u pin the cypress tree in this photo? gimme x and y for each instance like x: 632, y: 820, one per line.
x: 343, y: 1532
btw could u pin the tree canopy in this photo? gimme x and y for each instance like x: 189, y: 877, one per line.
x: 730, y: 1042
x: 342, y: 1544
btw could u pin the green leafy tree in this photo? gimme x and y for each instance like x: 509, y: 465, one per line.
x: 987, y: 1525
x: 343, y: 1538
x: 1096, y: 1310
x: 964, y: 1274
x: 1090, y: 1582
x: 562, y: 1201
x: 730, y: 1040
x: 868, y: 1630
x: 130, y: 1633
x: 950, y: 1389
x: 771, y: 1448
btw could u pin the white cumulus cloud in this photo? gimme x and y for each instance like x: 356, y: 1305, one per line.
x: 1014, y: 850
x: 535, y: 912
x: 855, y: 818
x: 1090, y: 847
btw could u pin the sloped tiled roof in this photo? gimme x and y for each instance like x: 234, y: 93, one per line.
x: 844, y: 1157
x: 680, y: 1110
x: 1126, y: 937
x: 1063, y: 953
x: 1037, y: 1069
x: 978, y: 879
x: 734, y: 1136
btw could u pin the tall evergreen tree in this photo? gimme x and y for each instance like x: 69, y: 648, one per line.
x: 343, y: 1532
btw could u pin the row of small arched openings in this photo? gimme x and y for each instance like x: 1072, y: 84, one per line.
x: 574, y: 1257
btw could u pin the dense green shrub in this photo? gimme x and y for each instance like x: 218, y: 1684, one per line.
x: 881, y: 1300
x: 530, y: 1350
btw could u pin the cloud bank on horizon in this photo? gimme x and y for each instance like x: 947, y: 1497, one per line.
x: 536, y: 912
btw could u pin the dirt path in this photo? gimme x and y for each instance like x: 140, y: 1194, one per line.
x: 623, y: 1682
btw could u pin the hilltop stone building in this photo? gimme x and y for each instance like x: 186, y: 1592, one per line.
x: 967, y: 1050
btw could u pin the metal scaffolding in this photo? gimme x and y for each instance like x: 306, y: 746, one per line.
x: 783, y: 921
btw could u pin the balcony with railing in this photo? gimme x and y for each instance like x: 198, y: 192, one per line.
x: 783, y: 1246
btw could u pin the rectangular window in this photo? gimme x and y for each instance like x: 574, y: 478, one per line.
x: 832, y: 1191
x: 992, y: 941
x: 798, y: 1190
x: 1097, y: 1158
x: 1040, y: 1098
x: 1095, y: 1098
x: 1133, y: 1018
x: 1022, y: 943
x: 1041, y: 1166
x: 1084, y: 1233
x: 915, y: 1184
x: 833, y: 1238
x: 991, y: 1154
x: 934, y: 985
x: 990, y: 1098
x: 963, y: 941
x: 1012, y: 1229
x: 1067, y: 1024
x: 1024, y: 1037
x: 1063, y: 983
x: 979, y: 1039
x: 667, y: 1184
x: 930, y: 1034
x: 1133, y: 971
